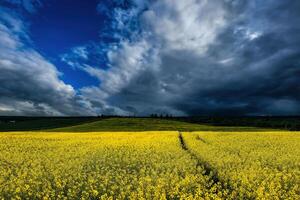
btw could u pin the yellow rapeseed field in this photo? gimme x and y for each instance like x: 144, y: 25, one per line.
x: 150, y: 165
x: 144, y: 165
x: 263, y: 165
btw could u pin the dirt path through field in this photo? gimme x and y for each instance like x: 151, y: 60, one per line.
x: 208, y: 169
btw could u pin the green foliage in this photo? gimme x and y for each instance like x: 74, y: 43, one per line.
x: 146, y: 124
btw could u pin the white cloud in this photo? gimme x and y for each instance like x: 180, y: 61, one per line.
x: 81, y: 52
x: 76, y: 56
x: 30, y: 84
x: 167, y: 27
x: 185, y: 25
x: 226, y: 61
x: 253, y: 35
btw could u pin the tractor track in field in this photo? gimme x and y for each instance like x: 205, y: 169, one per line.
x: 208, y: 169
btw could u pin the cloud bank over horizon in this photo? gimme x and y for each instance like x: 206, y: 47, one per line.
x: 192, y: 57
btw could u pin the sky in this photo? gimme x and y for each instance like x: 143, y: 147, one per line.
x: 140, y: 57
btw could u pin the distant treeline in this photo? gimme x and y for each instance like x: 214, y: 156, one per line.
x: 27, y: 118
x: 20, y: 123
x: 276, y: 122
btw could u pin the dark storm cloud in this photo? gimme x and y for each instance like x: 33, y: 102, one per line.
x: 192, y: 57
x: 210, y: 57
x: 264, y: 72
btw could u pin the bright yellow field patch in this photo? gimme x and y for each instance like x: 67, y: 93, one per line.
x: 264, y: 165
x: 144, y: 165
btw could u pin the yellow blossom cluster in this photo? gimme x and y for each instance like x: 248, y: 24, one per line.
x: 261, y: 165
